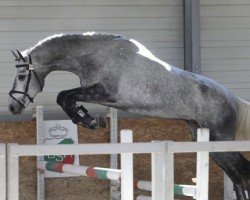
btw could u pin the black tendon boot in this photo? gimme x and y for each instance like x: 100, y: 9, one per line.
x: 82, y: 116
x: 85, y: 119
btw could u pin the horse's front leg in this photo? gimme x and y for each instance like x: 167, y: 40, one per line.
x: 79, y: 115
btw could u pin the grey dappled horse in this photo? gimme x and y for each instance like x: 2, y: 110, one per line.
x: 122, y: 73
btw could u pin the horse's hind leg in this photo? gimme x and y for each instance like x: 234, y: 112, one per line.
x: 247, y: 178
x: 193, y: 126
x: 234, y: 165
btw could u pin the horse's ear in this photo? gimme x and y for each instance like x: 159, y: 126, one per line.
x: 16, y: 56
x: 20, y: 56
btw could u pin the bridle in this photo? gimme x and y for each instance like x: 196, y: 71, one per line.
x: 30, y: 68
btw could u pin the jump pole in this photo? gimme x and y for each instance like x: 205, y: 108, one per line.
x: 94, y: 172
x: 111, y: 174
x: 115, y: 175
x: 157, y: 171
x: 179, y: 189
x: 198, y: 191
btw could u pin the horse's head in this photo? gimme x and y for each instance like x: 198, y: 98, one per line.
x: 26, y: 84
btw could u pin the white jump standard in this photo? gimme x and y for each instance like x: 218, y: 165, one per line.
x: 14, y: 151
x: 3, y: 177
x: 162, y: 164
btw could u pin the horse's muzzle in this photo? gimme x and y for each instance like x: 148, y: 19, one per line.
x: 14, y: 107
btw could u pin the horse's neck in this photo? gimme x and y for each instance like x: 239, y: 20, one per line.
x: 62, y: 65
x: 46, y: 66
x: 70, y: 62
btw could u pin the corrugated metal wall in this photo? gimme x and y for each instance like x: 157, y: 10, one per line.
x: 158, y: 24
x: 225, y: 43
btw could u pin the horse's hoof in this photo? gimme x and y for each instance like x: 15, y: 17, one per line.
x: 97, y: 122
x: 90, y: 126
x: 89, y: 122
x: 101, y: 122
x: 93, y: 124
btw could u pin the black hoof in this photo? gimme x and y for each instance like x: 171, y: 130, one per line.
x: 101, y: 122
x: 90, y: 126
x: 85, y: 121
x: 79, y: 115
x: 93, y: 124
x: 96, y: 122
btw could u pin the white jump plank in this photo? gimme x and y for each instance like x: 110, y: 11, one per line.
x: 168, y: 174
x: 69, y: 149
x: 127, y: 176
x: 13, y: 175
x: 202, y: 169
x: 156, y: 176
x: 191, y: 147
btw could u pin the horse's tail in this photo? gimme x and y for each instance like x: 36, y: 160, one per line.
x: 243, y: 122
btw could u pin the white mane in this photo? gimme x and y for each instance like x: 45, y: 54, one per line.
x: 89, y: 33
x: 27, y: 51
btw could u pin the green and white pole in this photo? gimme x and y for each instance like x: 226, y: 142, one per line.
x: 95, y: 172
x: 183, y: 190
x: 111, y: 174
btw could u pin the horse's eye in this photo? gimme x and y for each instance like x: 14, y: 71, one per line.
x: 21, y: 77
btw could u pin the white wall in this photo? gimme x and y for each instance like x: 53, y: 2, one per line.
x: 225, y: 43
x: 157, y: 24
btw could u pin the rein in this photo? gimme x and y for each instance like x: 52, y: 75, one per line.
x: 25, y: 93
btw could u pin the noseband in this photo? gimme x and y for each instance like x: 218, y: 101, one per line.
x: 25, y: 92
